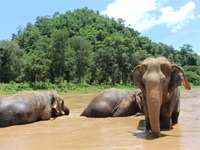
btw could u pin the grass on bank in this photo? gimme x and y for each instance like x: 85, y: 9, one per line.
x: 63, y: 87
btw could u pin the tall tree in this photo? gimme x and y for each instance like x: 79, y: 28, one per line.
x: 36, y: 65
x: 186, y: 51
x: 82, y: 54
x: 10, y: 61
x: 105, y: 59
x: 59, y: 53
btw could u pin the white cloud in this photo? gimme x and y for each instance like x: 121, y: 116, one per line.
x: 177, y: 19
x: 143, y: 14
x: 134, y: 12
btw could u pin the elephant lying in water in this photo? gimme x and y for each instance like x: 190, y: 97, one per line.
x: 159, y: 80
x: 30, y: 106
x: 114, y: 103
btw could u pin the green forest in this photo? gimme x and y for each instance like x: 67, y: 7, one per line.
x: 84, y: 48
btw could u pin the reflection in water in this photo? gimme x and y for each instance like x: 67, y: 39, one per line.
x: 75, y: 132
x: 142, y: 132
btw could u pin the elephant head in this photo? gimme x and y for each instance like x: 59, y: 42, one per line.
x: 58, y: 105
x: 157, y: 78
x: 139, y: 98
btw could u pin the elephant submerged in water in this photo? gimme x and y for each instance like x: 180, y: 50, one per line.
x: 30, y: 106
x: 114, y: 103
x: 158, y: 79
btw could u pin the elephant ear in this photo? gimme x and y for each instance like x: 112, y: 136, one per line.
x: 137, y: 78
x: 178, y: 78
x: 139, y: 100
x: 55, y: 105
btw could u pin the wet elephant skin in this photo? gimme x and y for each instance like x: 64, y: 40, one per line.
x: 114, y: 103
x: 28, y: 106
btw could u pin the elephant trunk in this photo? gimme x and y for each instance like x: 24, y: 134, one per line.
x: 65, y: 109
x: 154, y: 101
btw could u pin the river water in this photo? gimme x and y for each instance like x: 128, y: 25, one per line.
x: 126, y: 133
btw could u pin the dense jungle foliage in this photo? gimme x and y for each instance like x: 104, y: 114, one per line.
x: 84, y: 47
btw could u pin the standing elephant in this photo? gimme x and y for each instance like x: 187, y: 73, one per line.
x: 30, y: 106
x: 159, y: 80
x: 114, y: 103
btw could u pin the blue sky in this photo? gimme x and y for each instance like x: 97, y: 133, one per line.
x: 172, y: 22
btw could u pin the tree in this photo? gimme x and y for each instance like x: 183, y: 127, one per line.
x: 171, y: 58
x: 178, y: 59
x: 160, y: 50
x: 126, y: 68
x: 138, y: 57
x: 36, y: 65
x: 82, y: 55
x: 145, y: 44
x: 195, y: 69
x: 59, y: 53
x: 192, y: 77
x: 10, y: 61
x: 186, y: 48
x: 45, y: 25
x: 30, y: 35
x: 105, y: 59
x: 185, y: 51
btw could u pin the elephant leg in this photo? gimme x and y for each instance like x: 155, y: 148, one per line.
x: 168, y: 111
x: 122, y: 112
x: 46, y: 115
x: 165, y: 120
x: 175, y: 113
x: 175, y: 116
x: 148, y: 125
x: 117, y: 114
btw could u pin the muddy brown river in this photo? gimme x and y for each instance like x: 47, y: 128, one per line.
x: 125, y: 133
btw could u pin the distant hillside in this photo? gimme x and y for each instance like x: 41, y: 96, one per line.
x: 83, y: 46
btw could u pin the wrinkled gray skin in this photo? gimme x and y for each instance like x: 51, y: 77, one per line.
x: 30, y: 106
x: 114, y: 103
x: 159, y: 80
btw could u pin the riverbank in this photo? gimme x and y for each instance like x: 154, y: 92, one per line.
x: 62, y: 88
x: 68, y: 88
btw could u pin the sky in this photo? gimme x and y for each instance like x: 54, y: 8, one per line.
x: 172, y: 22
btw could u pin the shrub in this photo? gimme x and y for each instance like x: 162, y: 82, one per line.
x: 195, y: 69
x: 192, y: 77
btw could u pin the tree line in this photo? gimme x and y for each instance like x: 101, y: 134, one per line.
x: 84, y: 46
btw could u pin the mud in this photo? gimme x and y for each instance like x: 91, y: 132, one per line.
x: 75, y: 132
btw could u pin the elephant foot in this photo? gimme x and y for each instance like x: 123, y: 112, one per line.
x: 156, y: 134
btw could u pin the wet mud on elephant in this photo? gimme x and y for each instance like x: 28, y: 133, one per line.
x: 114, y: 103
x: 30, y: 106
x: 159, y: 80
